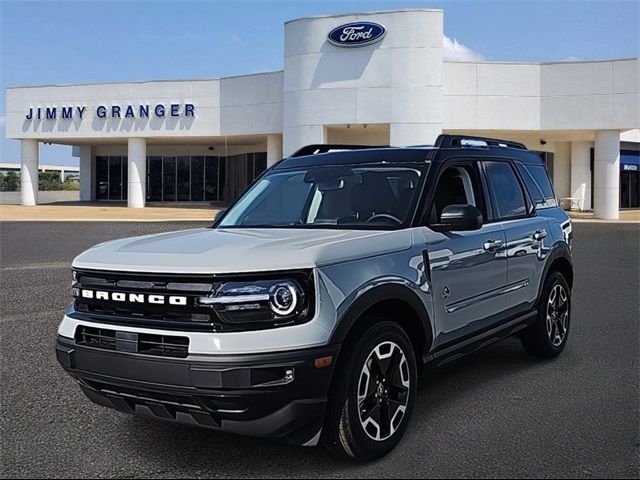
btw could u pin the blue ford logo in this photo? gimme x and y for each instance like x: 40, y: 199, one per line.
x: 356, y: 34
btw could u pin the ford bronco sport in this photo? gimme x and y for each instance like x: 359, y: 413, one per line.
x: 308, y: 309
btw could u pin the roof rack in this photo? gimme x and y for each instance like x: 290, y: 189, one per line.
x: 461, y: 141
x: 316, y: 149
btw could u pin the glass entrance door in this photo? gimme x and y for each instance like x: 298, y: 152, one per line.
x: 115, y: 178
x: 111, y: 178
x: 102, y: 178
x: 630, y: 189
x: 634, y: 190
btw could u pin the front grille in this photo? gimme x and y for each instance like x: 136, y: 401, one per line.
x: 135, y: 308
x: 96, y: 337
x: 190, y: 316
x: 145, y: 344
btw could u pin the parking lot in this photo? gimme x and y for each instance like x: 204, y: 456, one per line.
x: 498, y: 413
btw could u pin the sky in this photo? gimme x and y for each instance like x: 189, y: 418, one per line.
x: 51, y: 42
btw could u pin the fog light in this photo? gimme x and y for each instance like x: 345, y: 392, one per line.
x: 288, y: 375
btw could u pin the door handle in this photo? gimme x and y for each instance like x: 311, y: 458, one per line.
x: 492, y: 245
x: 539, y: 234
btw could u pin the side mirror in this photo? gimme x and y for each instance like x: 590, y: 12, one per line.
x: 458, y: 218
x: 219, y: 215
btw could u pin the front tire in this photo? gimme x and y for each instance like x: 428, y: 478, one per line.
x: 547, y: 337
x: 373, y: 394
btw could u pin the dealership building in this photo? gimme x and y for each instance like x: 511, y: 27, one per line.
x: 365, y: 78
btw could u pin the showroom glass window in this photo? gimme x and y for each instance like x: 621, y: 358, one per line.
x: 181, y: 178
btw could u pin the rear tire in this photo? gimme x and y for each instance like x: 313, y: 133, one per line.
x: 373, y: 394
x: 547, y: 337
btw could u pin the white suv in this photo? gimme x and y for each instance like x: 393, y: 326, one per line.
x: 309, y: 308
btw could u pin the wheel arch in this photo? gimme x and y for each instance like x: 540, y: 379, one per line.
x: 558, y: 261
x: 393, y: 302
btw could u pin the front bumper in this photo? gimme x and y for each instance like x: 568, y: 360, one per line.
x: 245, y: 394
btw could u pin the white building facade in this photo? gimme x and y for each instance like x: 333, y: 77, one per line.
x: 205, y: 140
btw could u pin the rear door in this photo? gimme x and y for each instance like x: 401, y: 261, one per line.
x: 525, y: 233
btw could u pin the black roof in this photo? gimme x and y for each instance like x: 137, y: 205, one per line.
x: 446, y: 146
x: 357, y: 156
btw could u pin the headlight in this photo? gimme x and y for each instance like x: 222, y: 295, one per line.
x: 276, y: 302
x: 283, y: 298
x: 75, y: 291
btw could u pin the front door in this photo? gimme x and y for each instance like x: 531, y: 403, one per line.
x: 468, y: 269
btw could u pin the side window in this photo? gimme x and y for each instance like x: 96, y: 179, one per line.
x: 534, y: 190
x: 504, y: 186
x: 541, y: 177
x: 457, y: 185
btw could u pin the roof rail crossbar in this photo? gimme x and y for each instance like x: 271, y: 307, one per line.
x: 315, y: 149
x: 445, y: 141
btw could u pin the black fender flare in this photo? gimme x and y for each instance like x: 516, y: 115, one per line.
x: 380, y: 293
x: 559, y: 250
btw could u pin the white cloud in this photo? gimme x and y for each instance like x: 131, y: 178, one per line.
x: 456, y: 51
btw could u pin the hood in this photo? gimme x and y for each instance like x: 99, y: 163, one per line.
x: 208, y: 250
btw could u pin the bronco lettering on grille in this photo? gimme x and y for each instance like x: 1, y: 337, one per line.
x: 134, y: 297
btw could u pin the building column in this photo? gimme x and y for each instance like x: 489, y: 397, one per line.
x: 297, y: 137
x: 274, y: 149
x: 137, y: 184
x: 581, y: 172
x: 87, y: 174
x: 407, y: 134
x: 29, y: 171
x: 606, y: 175
x: 562, y: 169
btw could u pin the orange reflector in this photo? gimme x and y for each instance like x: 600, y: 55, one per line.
x: 323, y: 362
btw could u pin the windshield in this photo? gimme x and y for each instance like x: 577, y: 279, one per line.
x: 332, y: 197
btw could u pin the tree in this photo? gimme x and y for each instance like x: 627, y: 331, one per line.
x: 11, y: 182
x: 49, y: 181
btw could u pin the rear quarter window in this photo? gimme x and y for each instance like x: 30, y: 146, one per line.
x: 538, y: 184
x: 508, y: 197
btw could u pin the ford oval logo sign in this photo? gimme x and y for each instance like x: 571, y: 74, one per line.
x: 357, y: 34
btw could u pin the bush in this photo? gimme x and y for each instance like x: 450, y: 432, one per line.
x: 48, y: 181
x: 69, y: 185
x: 10, y: 182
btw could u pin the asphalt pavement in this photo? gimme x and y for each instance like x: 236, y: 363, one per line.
x: 498, y: 413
